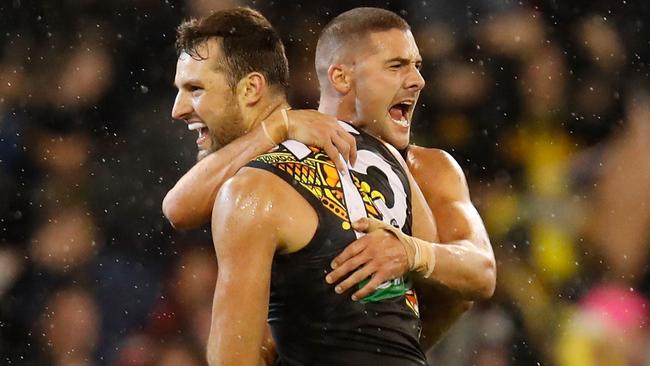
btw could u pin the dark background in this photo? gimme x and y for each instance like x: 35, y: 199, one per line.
x: 545, y: 106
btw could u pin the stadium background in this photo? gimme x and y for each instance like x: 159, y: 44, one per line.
x: 544, y: 104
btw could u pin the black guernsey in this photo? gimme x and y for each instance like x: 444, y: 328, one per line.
x: 312, y: 324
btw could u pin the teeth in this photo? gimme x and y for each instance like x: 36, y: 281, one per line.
x: 403, y: 122
x: 196, y: 126
x: 405, y: 107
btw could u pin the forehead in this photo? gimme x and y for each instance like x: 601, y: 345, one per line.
x: 394, y: 43
x: 200, y: 65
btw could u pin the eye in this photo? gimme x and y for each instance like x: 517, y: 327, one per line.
x: 418, y: 65
x: 195, y: 90
x: 394, y: 66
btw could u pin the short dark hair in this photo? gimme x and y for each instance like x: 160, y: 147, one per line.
x: 249, y: 43
x: 354, y: 25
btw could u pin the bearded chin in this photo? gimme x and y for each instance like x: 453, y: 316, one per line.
x: 214, y: 146
x: 202, y: 154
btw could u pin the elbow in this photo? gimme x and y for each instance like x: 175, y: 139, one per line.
x: 174, y: 212
x: 488, y: 279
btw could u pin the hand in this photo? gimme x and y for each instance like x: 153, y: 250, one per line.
x: 378, y: 255
x: 320, y: 130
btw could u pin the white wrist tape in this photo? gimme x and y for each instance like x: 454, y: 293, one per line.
x: 423, y: 259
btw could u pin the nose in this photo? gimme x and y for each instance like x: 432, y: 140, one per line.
x: 414, y: 81
x: 182, y: 106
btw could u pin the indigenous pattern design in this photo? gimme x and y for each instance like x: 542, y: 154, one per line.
x: 319, y: 176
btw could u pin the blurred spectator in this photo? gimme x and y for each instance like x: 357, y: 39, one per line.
x: 543, y: 103
x: 70, y: 327
x: 608, y: 327
x: 620, y: 228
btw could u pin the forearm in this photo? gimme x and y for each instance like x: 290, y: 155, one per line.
x: 189, y: 203
x: 464, y: 268
x: 236, y: 332
x: 464, y: 258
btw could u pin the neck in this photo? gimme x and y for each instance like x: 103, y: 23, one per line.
x: 261, y: 112
x: 337, y: 107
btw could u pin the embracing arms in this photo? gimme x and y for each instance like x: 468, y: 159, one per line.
x: 462, y: 257
x: 189, y: 203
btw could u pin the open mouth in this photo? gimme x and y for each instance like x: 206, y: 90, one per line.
x: 399, y: 113
x: 201, y: 128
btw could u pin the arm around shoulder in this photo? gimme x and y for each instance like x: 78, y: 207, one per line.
x: 189, y: 203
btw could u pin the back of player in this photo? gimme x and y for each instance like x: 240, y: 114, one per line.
x: 311, y: 324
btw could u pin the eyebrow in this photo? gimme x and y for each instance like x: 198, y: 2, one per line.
x: 186, y: 82
x: 403, y: 60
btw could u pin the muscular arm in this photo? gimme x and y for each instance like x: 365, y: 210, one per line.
x: 245, y: 238
x: 440, y: 307
x: 253, y: 222
x: 464, y: 261
x: 189, y: 203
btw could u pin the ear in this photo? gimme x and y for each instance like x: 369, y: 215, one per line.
x: 251, y: 88
x: 340, y: 78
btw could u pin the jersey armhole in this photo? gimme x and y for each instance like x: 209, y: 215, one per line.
x: 319, y: 234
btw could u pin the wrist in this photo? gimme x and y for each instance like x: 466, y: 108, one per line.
x: 420, y: 254
x: 424, y: 260
x: 277, y: 126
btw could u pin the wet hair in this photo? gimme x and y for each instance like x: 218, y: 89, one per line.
x: 248, y: 41
x: 349, y: 28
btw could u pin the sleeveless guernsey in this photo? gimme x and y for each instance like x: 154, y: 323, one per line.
x: 312, y: 324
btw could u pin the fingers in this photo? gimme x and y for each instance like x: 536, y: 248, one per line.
x: 369, y: 287
x: 342, y: 145
x: 346, y: 262
x: 369, y: 224
x: 361, y: 225
x: 334, y: 155
x: 342, y: 270
x: 350, y: 251
x: 354, y: 279
x: 352, y: 146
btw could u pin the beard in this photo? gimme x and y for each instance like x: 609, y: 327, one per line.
x: 224, y: 133
x: 202, y: 154
x: 214, y: 146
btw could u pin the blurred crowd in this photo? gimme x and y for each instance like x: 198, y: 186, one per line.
x: 545, y: 105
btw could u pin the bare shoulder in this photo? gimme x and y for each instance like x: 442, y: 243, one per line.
x: 259, y: 199
x: 436, y: 165
x: 255, y: 191
x: 249, y: 182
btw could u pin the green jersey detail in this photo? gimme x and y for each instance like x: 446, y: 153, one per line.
x: 387, y: 290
